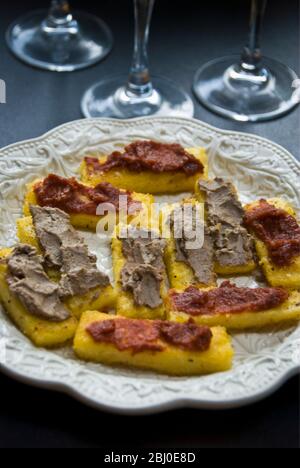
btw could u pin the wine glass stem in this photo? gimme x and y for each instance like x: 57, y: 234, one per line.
x: 60, y: 15
x: 251, y: 56
x: 139, y: 82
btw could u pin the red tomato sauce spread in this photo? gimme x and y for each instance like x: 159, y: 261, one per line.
x: 227, y: 299
x: 186, y: 335
x: 277, y: 229
x: 75, y: 198
x: 149, y: 155
x: 146, y: 335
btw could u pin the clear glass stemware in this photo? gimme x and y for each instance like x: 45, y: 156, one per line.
x: 58, y: 40
x: 139, y: 94
x: 251, y: 89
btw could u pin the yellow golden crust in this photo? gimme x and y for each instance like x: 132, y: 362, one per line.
x: 41, y: 332
x: 84, y: 221
x: 181, y: 275
x: 288, y: 276
x: 103, y: 299
x: 172, y: 360
x: 288, y: 311
x: 125, y: 305
x: 147, y: 181
x: 235, y: 270
x: 96, y: 299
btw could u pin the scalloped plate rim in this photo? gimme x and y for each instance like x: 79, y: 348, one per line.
x: 169, y: 403
x: 141, y: 119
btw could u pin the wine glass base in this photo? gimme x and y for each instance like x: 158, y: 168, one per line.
x: 110, y: 99
x: 59, y: 51
x: 221, y: 87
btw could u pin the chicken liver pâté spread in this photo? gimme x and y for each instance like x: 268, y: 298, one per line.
x: 233, y: 245
x: 144, y: 269
x: 27, y: 279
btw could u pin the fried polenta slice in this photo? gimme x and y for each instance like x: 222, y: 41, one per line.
x: 171, y: 360
x: 235, y: 270
x: 98, y: 298
x: 286, y: 276
x: 26, y: 235
x: 180, y: 274
x: 103, y: 299
x: 226, y: 270
x: 26, y: 232
x: 286, y: 312
x: 42, y: 333
x: 4, y: 253
x: 125, y: 305
x: 147, y: 181
x: 82, y: 220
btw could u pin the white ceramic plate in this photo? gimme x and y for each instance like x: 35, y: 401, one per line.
x: 262, y: 362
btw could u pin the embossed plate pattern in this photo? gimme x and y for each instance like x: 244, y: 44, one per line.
x: 263, y: 361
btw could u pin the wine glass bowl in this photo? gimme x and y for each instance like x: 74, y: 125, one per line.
x: 58, y: 40
x: 246, y: 97
x: 250, y: 88
x: 138, y: 94
x: 111, y: 98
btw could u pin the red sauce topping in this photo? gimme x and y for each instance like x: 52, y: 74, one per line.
x: 227, y: 299
x: 75, y: 198
x: 277, y: 229
x: 146, y: 335
x: 149, y: 155
x: 125, y: 334
x: 186, y: 335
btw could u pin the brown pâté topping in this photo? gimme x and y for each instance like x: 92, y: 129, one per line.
x: 64, y: 248
x: 27, y: 279
x: 144, y: 270
x: 233, y: 245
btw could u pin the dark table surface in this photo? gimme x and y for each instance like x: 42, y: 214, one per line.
x: 185, y: 34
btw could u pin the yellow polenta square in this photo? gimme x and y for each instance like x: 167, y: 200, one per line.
x: 85, y: 221
x: 287, y: 276
x: 180, y: 274
x: 42, y: 333
x: 172, y: 360
x: 148, y: 181
x: 221, y: 269
x: 26, y: 232
x: 235, y: 270
x: 97, y: 298
x: 125, y: 301
x: 103, y: 299
x: 288, y: 311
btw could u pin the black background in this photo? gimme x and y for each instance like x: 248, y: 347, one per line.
x: 184, y: 35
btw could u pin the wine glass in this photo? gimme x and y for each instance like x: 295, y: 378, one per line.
x: 139, y: 94
x: 59, y: 41
x: 251, y: 89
